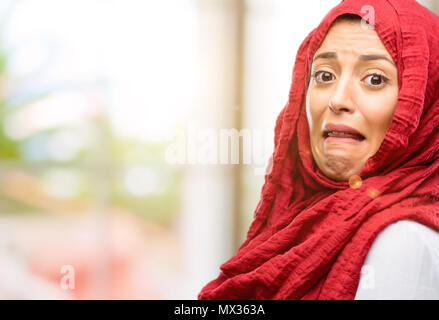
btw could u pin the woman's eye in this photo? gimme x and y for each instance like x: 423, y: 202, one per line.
x: 376, y: 80
x: 323, y: 76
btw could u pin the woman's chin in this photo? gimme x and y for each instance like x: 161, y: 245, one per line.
x: 340, y: 167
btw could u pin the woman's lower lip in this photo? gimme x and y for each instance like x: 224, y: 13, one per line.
x: 342, y: 140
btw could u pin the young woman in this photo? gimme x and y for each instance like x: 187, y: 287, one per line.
x: 353, y: 187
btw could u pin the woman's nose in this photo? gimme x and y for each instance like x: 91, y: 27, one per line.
x: 341, y: 99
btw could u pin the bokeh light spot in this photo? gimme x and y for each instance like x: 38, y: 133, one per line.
x: 373, y: 193
x: 355, y: 182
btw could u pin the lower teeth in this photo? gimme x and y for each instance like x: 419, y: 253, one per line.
x: 341, y: 135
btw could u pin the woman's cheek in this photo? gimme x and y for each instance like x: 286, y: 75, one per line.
x: 316, y: 105
x: 378, y: 111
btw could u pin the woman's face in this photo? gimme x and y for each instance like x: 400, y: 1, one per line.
x: 354, y: 74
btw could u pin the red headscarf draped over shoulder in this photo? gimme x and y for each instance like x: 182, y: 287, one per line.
x: 310, y: 235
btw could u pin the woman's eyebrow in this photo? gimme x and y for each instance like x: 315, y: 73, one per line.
x: 369, y: 57
x: 325, y: 55
x: 364, y: 57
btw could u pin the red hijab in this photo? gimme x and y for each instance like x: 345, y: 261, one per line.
x: 310, y: 235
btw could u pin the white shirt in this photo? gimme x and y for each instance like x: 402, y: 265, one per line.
x: 402, y: 264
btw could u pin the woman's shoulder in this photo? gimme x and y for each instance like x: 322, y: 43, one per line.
x: 403, y: 241
x: 406, y: 232
x: 402, y: 263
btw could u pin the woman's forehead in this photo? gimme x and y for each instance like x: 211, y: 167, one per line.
x: 352, y: 38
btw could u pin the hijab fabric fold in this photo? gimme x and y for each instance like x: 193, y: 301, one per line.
x: 310, y: 235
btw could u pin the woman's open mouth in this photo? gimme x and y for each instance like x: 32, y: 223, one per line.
x: 339, y: 133
x: 342, y: 137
